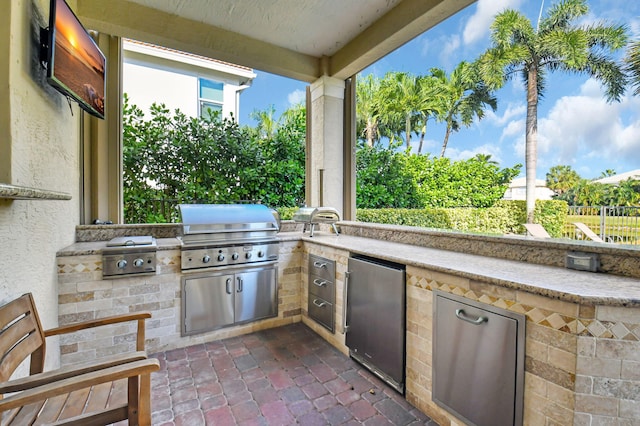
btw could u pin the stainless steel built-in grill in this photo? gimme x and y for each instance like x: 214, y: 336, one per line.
x: 216, y: 235
x: 229, y: 260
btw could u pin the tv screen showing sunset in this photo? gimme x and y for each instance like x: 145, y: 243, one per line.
x: 78, y: 64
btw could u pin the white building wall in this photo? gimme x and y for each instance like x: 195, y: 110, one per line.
x: 146, y: 85
x: 152, y: 74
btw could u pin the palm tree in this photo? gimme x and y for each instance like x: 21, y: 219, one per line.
x: 556, y: 44
x: 431, y: 106
x: 464, y: 97
x: 267, y: 123
x: 402, y: 101
x: 561, y: 179
x: 632, y: 65
x: 486, y: 159
x: 367, y: 107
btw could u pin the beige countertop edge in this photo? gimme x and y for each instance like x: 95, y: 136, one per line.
x: 553, y: 282
x: 549, y: 281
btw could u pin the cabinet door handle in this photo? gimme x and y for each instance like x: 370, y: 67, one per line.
x: 320, y: 283
x: 319, y: 305
x: 460, y: 313
x: 345, y: 293
x: 319, y: 265
x: 228, y: 285
x: 239, y: 289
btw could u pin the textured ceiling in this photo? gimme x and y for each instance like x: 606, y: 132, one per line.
x: 301, y: 39
x: 312, y: 27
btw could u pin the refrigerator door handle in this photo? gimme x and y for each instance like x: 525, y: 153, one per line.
x: 345, y: 292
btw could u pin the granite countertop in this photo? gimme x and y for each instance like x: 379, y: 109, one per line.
x: 95, y: 247
x: 550, y: 281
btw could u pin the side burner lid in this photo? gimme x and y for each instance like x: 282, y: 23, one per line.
x: 130, y: 241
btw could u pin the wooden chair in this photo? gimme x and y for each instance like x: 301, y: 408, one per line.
x: 100, y: 392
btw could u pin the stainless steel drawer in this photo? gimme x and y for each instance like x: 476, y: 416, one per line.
x: 322, y: 287
x: 321, y: 311
x: 478, y: 361
x: 322, y: 267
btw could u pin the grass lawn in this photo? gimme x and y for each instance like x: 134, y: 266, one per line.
x: 618, y: 229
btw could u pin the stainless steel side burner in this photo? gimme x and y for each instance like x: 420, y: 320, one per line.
x: 127, y: 256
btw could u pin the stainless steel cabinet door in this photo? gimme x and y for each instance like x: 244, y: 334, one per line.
x: 208, y: 302
x: 475, y: 362
x: 256, y: 294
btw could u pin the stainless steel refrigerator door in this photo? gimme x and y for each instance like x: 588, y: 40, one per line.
x: 376, y: 316
x: 208, y: 302
x: 475, y: 362
x: 256, y: 294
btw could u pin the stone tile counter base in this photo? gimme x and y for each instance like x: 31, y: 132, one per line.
x: 83, y: 294
x: 582, y: 363
x: 582, y: 347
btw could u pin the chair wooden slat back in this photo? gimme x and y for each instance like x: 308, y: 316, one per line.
x: 21, y: 335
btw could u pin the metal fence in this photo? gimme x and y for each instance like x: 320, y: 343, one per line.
x: 612, y: 224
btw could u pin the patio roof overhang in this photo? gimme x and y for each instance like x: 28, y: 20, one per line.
x: 300, y: 39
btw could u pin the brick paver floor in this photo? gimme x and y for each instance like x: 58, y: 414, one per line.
x: 282, y: 376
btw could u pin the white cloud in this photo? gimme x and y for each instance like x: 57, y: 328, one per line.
x: 585, y: 126
x: 447, y: 48
x: 296, y: 97
x: 488, y: 149
x: 478, y: 24
x: 513, y: 128
x: 512, y: 111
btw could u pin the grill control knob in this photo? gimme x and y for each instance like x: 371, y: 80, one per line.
x: 220, y: 257
x: 206, y: 258
x: 234, y: 256
x: 138, y: 263
x: 248, y: 255
x: 260, y: 253
x: 121, y: 264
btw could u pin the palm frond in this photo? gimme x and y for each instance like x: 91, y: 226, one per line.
x: 561, y: 14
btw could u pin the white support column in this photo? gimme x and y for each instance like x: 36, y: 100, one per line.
x: 326, y: 178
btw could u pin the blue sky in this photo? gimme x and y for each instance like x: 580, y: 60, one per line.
x: 576, y: 126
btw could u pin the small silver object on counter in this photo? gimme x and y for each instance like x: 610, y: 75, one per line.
x: 311, y: 216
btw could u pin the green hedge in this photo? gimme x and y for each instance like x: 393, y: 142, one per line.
x: 505, y: 217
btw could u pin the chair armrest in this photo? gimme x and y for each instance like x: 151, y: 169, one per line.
x: 136, y: 316
x: 40, y: 379
x: 39, y: 393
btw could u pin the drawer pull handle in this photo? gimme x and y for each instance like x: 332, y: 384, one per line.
x: 460, y: 313
x: 319, y: 305
x: 320, y: 283
x: 320, y: 265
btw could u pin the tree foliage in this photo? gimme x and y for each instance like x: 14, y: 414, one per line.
x: 387, y: 178
x: 401, y: 104
x: 170, y: 156
x: 576, y: 191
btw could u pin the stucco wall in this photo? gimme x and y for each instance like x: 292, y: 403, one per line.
x: 42, y: 139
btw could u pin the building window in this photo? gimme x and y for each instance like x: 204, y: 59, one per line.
x: 211, y: 97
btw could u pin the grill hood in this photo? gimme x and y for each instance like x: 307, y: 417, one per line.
x: 227, y: 222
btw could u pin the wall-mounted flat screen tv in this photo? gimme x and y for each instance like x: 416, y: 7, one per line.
x: 75, y: 64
